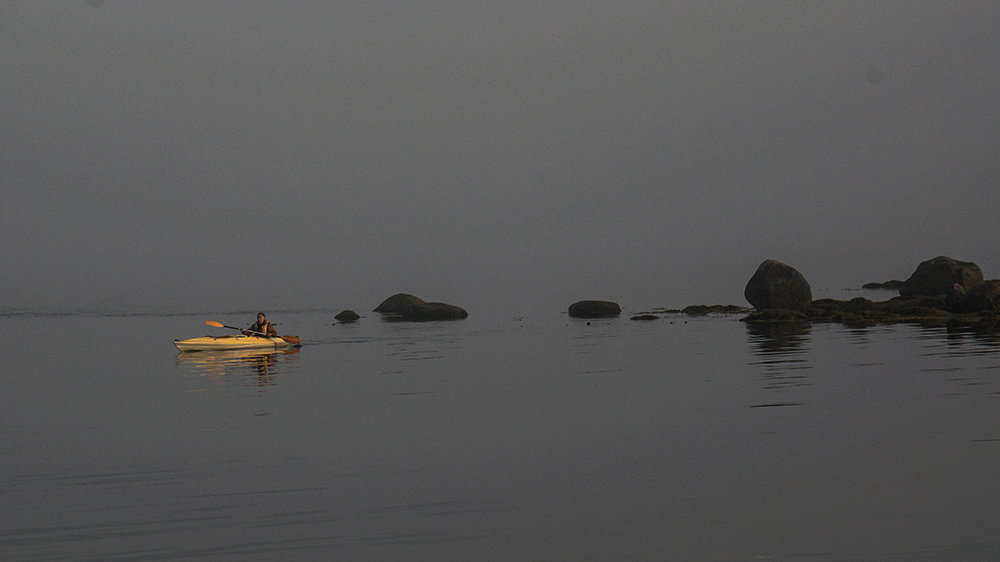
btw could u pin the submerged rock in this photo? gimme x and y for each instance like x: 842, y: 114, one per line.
x: 777, y: 315
x: 923, y: 310
x: 702, y: 309
x: 594, y: 309
x: 893, y: 285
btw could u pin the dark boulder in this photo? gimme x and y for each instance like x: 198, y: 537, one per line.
x: 780, y: 286
x: 984, y: 297
x: 430, y: 311
x: 858, y: 304
x: 396, y: 303
x: 414, y: 309
x: 953, y: 299
x: 347, y: 316
x: 594, y: 309
x: 937, y: 277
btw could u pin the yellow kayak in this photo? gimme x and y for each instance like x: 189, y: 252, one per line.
x: 208, y: 343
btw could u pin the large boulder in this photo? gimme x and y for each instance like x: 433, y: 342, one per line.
x: 414, y: 309
x: 939, y: 275
x: 594, y: 309
x: 396, y: 303
x: 780, y: 286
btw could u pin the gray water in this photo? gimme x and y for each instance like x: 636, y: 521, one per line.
x: 500, y: 437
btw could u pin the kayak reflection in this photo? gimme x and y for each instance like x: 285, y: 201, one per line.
x: 263, y: 364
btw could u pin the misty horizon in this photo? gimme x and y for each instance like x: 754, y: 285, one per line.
x: 264, y: 155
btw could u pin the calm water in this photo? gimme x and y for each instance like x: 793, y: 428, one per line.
x: 503, y: 437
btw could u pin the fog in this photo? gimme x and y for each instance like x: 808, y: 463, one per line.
x: 263, y: 155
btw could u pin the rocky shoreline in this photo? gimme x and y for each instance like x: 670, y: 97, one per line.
x: 860, y: 312
x: 941, y: 292
x: 857, y: 312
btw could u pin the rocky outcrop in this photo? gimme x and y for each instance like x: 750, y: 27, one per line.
x: 979, y: 307
x: 396, y: 303
x: 862, y: 311
x: 937, y: 276
x: 594, y: 309
x: 778, y: 286
x: 347, y: 316
x: 984, y: 297
x: 942, y: 291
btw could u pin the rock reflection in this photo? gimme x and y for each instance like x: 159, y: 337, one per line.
x: 948, y: 351
x: 262, y: 365
x: 781, y: 350
x: 957, y: 341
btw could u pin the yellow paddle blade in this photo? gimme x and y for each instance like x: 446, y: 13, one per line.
x: 214, y: 324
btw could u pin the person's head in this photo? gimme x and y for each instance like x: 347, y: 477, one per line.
x: 261, y: 317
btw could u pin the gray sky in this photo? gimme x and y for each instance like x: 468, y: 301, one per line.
x: 274, y: 154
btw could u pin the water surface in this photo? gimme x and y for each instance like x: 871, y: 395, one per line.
x: 504, y: 437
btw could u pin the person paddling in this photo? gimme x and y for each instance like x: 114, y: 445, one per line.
x: 261, y: 326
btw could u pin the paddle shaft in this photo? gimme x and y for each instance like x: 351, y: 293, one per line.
x: 215, y: 324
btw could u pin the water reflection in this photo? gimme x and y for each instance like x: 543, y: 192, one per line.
x: 592, y: 335
x: 781, y: 351
x: 965, y: 356
x: 955, y: 341
x: 423, y: 341
x: 261, y: 364
x: 859, y: 335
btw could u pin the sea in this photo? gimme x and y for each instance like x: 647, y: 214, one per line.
x: 516, y: 435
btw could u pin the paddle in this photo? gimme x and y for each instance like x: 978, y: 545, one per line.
x: 294, y: 340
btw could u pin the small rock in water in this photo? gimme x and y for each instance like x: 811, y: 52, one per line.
x: 347, y: 316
